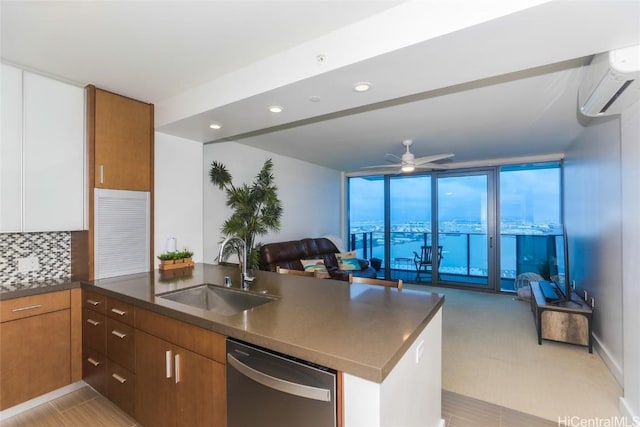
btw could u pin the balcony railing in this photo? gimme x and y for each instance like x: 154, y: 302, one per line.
x: 465, y: 254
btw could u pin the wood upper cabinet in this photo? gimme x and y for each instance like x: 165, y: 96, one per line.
x: 120, y: 131
x: 35, y: 346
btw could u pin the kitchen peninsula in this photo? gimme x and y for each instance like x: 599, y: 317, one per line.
x: 387, y: 343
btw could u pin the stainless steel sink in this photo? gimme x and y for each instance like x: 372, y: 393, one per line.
x: 220, y: 300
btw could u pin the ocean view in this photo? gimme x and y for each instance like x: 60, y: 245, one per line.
x: 462, y: 253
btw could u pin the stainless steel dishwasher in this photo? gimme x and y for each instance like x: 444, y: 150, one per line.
x: 272, y: 390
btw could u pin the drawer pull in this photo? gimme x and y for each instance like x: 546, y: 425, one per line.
x: 93, y: 322
x: 118, y: 334
x: 93, y: 303
x: 118, y: 378
x: 93, y: 361
x: 28, y: 307
x: 118, y: 312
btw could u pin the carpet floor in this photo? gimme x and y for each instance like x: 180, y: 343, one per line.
x: 491, y: 353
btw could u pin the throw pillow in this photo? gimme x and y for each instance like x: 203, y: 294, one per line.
x: 347, y: 261
x: 316, y: 266
x: 349, y: 264
x: 346, y: 255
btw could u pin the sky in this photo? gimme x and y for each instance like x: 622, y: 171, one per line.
x: 529, y: 195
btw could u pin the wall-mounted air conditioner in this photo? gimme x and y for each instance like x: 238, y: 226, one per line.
x: 612, y: 82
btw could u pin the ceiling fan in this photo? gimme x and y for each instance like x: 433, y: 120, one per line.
x: 409, y: 163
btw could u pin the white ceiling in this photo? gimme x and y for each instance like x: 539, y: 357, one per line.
x: 498, y: 81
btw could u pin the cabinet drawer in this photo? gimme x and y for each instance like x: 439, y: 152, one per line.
x: 121, y: 344
x: 94, y: 369
x: 94, y: 327
x: 121, y: 387
x: 121, y: 311
x: 207, y: 343
x: 94, y: 301
x: 34, y: 305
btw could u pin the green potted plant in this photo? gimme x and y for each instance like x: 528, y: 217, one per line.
x: 256, y: 209
x: 176, y: 259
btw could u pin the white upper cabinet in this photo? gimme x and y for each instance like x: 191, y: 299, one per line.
x: 50, y: 157
x: 11, y: 150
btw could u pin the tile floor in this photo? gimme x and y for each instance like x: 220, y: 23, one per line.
x: 86, y: 408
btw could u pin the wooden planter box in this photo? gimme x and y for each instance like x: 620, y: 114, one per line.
x: 173, y: 264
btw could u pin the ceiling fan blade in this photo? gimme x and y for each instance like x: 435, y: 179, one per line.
x: 389, y: 166
x: 431, y: 166
x: 394, y: 157
x: 435, y: 157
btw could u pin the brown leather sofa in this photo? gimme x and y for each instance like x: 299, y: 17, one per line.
x: 288, y: 255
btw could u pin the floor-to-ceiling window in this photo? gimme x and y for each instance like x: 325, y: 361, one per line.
x: 531, y: 231
x: 485, y: 237
x: 366, y: 199
x: 410, y: 224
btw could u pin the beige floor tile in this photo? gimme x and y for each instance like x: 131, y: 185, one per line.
x: 512, y: 418
x: 97, y: 412
x: 41, y: 416
x: 74, y: 398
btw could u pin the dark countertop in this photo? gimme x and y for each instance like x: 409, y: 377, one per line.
x: 362, y: 330
x: 17, y: 290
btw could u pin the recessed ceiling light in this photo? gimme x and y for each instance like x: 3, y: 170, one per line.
x: 276, y: 109
x: 314, y: 98
x: 362, y: 86
x: 215, y: 126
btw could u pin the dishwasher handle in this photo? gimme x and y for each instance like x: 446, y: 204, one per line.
x: 279, y: 384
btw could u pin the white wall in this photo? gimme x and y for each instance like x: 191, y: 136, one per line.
x: 593, y: 219
x: 630, y: 403
x: 178, y: 193
x: 310, y: 194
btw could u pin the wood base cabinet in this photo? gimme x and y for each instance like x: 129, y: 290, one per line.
x: 35, y: 347
x: 109, y: 349
x: 175, y: 386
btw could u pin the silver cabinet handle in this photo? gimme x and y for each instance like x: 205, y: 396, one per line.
x: 118, y: 312
x: 28, y: 307
x: 118, y: 334
x: 101, y: 174
x: 93, y: 303
x: 279, y: 384
x: 118, y: 378
x: 177, y: 359
x: 93, y: 361
x: 93, y: 322
x: 167, y: 355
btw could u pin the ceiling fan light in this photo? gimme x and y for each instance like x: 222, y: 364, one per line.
x: 408, y: 168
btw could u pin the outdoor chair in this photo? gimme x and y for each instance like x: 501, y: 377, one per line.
x: 424, y: 261
x: 522, y: 282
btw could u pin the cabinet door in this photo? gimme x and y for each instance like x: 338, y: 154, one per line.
x: 11, y: 150
x: 53, y: 150
x: 155, y: 389
x: 200, y: 390
x: 123, y: 129
x: 34, y: 356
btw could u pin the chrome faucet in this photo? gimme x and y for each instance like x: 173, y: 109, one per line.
x: 245, y: 278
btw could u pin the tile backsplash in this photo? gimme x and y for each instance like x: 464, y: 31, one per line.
x: 53, y: 251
